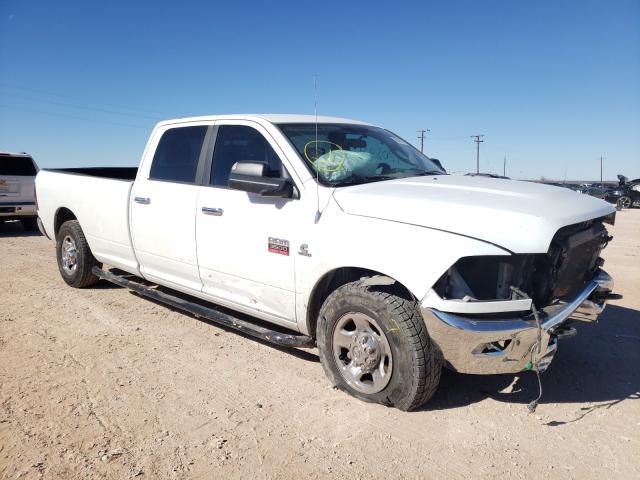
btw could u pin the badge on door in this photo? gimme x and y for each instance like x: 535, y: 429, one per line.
x: 279, y: 246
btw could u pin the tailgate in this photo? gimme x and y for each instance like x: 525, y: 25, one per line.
x: 17, y: 189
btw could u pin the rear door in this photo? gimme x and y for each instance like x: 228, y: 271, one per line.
x: 163, y: 203
x: 244, y: 240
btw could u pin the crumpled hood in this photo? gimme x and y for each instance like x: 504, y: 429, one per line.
x: 520, y: 216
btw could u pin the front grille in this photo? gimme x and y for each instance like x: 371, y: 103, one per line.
x: 572, y: 260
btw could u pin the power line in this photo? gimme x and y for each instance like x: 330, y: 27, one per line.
x: 421, y: 138
x: 478, y: 142
x: 81, y: 100
x: 85, y: 119
x: 80, y: 107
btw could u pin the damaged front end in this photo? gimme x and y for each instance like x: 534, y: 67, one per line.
x: 504, y: 314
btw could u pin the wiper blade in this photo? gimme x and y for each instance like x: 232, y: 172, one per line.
x: 356, y: 180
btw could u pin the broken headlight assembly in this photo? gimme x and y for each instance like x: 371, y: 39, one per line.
x: 510, y: 283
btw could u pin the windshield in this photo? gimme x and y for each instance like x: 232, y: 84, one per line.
x: 347, y: 154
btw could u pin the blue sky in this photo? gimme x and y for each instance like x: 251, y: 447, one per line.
x: 551, y: 84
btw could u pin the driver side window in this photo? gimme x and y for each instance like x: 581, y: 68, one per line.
x: 236, y: 143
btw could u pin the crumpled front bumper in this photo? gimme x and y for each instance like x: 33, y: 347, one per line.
x: 475, y: 345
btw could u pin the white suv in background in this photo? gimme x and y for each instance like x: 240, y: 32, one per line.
x: 17, y: 189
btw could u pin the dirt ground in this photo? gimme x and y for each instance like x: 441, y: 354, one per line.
x: 100, y: 383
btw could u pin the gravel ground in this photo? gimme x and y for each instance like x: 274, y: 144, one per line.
x: 100, y: 383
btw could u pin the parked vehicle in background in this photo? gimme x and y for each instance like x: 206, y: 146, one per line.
x: 597, y: 190
x: 17, y: 189
x: 626, y: 194
x: 345, y: 236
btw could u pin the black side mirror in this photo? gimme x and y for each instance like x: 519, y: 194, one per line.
x: 437, y: 162
x: 252, y: 177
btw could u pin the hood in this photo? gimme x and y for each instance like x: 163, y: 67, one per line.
x: 519, y: 216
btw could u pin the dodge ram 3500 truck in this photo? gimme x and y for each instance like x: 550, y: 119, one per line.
x: 344, y: 236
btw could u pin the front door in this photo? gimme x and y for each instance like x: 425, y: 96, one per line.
x: 244, y: 240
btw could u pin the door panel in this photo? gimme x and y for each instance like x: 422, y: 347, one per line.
x: 163, y: 232
x: 235, y: 260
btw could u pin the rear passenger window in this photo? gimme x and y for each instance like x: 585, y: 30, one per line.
x: 236, y: 143
x: 177, y: 154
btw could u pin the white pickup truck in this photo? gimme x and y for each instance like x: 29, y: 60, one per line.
x: 17, y: 189
x: 342, y: 235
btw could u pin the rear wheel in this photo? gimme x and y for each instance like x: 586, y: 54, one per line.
x: 75, y: 260
x: 374, y: 345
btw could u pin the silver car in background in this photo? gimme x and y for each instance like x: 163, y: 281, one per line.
x: 17, y: 189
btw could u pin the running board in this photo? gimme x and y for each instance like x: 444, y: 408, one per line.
x: 215, y: 316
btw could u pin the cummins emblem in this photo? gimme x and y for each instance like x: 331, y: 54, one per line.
x: 304, y: 250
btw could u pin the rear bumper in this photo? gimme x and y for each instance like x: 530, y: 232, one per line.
x: 474, y: 345
x: 13, y: 210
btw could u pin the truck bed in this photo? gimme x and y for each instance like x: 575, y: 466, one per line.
x: 99, y: 199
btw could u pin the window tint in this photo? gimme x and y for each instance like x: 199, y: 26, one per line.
x: 177, y: 154
x: 236, y: 143
x: 19, y: 166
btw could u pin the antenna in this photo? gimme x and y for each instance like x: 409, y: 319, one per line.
x: 315, y: 111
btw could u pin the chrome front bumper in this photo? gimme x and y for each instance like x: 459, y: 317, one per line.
x: 472, y: 345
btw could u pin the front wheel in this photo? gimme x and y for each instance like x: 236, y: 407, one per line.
x: 374, y: 345
x: 75, y: 260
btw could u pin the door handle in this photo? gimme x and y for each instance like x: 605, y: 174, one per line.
x: 142, y: 200
x: 216, y: 212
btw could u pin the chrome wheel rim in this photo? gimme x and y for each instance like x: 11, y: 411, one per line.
x: 69, y: 254
x: 625, y: 202
x: 362, y: 353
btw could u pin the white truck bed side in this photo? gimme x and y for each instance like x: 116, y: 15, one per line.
x: 101, y: 205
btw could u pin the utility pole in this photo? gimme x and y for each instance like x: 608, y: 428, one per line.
x: 504, y: 166
x: 421, y: 138
x: 478, y: 142
x: 600, y: 168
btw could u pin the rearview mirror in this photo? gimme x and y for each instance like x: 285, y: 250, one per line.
x: 252, y: 177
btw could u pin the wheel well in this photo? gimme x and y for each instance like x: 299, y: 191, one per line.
x: 62, y: 215
x: 341, y: 276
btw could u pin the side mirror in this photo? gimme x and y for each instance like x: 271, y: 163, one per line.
x: 437, y: 162
x: 252, y: 177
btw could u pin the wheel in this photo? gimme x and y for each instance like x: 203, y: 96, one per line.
x: 30, y: 224
x: 375, y: 346
x: 75, y: 259
x: 624, y: 202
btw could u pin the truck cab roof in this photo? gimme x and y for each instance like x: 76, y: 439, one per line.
x: 275, y: 118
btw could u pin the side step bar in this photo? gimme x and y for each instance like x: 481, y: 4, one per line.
x: 215, y: 316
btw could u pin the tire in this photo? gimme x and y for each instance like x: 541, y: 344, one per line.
x: 74, y: 256
x: 408, y: 378
x: 624, y: 202
x: 30, y: 224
